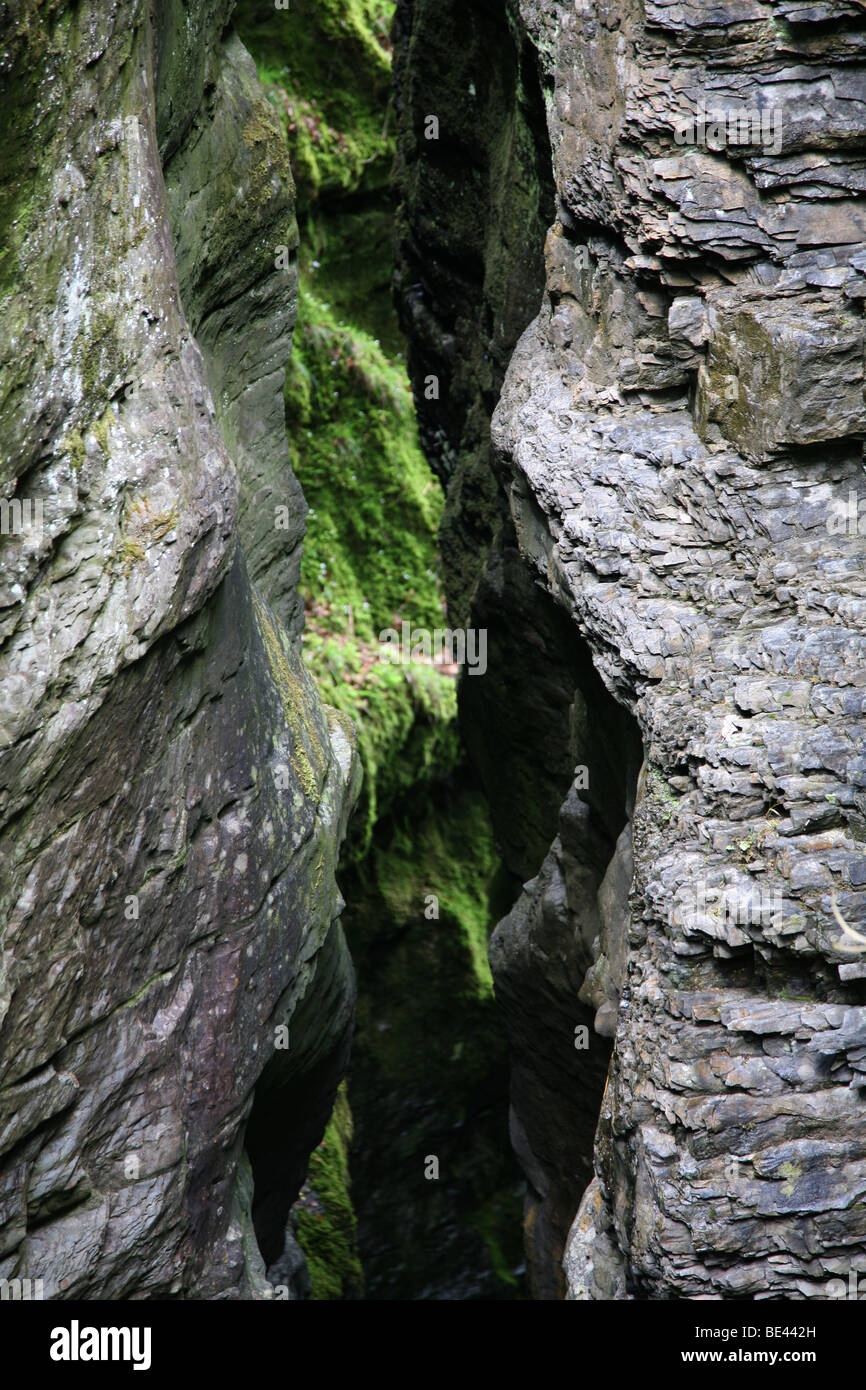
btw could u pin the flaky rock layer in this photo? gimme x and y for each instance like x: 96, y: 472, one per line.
x: 174, y: 793
x: 678, y: 439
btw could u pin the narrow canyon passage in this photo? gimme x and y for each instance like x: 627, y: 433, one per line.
x: 428, y: 1170
x: 414, y: 1191
x: 432, y: 601
x: 460, y: 807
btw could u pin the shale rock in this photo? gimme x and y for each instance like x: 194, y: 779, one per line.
x: 174, y: 794
x: 679, y: 437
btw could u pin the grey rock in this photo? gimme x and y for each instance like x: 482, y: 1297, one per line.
x: 678, y: 440
x: 173, y: 792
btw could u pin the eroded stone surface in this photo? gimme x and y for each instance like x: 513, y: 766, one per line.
x: 173, y: 793
x: 692, y: 540
x: 680, y: 438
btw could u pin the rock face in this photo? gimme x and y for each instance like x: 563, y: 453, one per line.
x: 477, y: 196
x: 174, y: 794
x: 679, y: 440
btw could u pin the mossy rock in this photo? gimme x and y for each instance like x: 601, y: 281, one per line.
x: 324, y: 1219
x: 326, y: 65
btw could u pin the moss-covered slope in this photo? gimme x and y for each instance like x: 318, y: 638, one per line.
x: 370, y: 562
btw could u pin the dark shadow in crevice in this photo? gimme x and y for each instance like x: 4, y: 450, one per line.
x: 559, y: 759
x: 295, y: 1094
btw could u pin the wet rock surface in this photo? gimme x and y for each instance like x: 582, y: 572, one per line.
x: 174, y: 793
x: 632, y: 265
x: 679, y: 437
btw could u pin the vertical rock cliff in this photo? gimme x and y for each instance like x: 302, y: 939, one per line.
x: 174, y: 793
x: 666, y: 536
x: 631, y: 268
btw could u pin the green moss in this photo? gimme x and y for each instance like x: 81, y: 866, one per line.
x: 147, y: 525
x: 324, y: 1218
x: 369, y: 557
x: 429, y: 1068
x: 101, y: 428
x: 496, y: 1215
x: 97, y: 351
x: 658, y: 790
x: 375, y: 506
x: 34, y: 51
x: 73, y: 445
x: 347, y: 257
x: 407, y: 730
x: 326, y: 67
x: 129, y: 553
x: 791, y: 1172
x: 431, y: 859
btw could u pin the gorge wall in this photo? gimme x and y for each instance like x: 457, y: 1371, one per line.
x: 635, y: 343
x: 174, y: 791
x: 177, y: 996
x: 665, y: 539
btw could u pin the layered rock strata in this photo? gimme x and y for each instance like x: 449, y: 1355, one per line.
x: 174, y: 793
x: 679, y: 437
